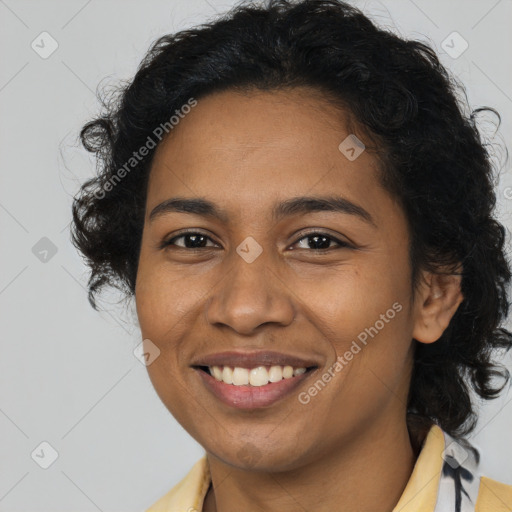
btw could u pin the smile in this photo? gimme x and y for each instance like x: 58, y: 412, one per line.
x: 249, y: 388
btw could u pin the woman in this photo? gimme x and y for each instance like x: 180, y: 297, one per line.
x: 304, y: 216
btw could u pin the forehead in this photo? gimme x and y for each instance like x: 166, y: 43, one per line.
x: 251, y: 149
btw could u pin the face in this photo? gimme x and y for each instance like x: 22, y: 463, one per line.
x: 305, y: 281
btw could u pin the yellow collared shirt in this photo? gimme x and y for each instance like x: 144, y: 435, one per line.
x: 445, y: 478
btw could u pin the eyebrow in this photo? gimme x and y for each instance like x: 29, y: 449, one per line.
x: 288, y: 208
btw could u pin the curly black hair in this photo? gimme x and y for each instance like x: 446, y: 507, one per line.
x: 433, y: 161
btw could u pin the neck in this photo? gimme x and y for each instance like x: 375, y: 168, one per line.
x: 368, y: 473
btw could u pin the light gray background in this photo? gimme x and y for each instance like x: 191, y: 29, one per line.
x: 68, y: 374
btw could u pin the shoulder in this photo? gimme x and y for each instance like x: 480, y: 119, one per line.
x: 493, y: 496
x: 188, y: 493
x: 459, y: 481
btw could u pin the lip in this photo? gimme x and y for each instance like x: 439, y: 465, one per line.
x: 252, y: 397
x: 253, y: 359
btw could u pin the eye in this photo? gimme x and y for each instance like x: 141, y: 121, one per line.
x: 320, y: 241
x: 193, y: 240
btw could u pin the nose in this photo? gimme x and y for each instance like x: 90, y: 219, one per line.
x: 249, y: 296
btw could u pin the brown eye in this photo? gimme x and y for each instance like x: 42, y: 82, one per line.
x: 320, y: 241
x: 192, y: 240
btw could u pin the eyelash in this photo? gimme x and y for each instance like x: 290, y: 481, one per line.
x: 169, y: 242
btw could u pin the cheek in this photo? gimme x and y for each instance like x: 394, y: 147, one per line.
x: 162, y: 299
x: 161, y: 313
x: 363, y: 312
x: 352, y: 298
x: 167, y: 309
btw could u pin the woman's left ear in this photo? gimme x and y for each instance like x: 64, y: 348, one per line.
x: 436, y: 302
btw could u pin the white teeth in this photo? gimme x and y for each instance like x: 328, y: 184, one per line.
x: 240, y: 376
x: 227, y: 374
x: 217, y: 372
x: 275, y: 374
x: 259, y: 376
x: 287, y: 372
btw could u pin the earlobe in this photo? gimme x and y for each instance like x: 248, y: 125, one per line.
x: 438, y: 300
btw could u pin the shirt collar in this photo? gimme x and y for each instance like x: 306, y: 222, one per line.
x: 419, y: 495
